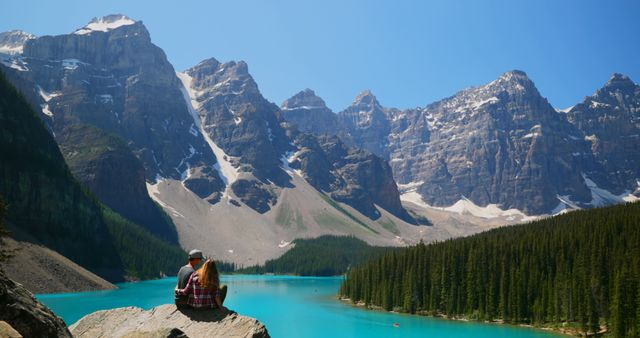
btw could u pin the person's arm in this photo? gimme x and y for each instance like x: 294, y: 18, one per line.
x: 217, y: 299
x: 187, y: 289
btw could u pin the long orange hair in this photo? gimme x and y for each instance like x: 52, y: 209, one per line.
x: 208, y: 275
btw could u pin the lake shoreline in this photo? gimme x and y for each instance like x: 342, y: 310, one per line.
x: 568, y: 331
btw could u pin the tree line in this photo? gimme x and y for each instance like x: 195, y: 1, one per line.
x: 580, y: 269
x: 323, y: 256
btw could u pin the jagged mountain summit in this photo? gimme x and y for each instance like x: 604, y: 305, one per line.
x: 501, y: 143
x: 309, y: 113
x: 501, y: 149
x: 610, y: 122
x: 12, y: 42
x: 105, y: 24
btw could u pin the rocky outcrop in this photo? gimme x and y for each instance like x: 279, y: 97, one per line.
x: 610, y: 121
x: 350, y: 175
x: 244, y: 125
x: 26, y: 315
x: 309, y: 113
x: 365, y: 125
x: 7, y: 331
x: 167, y: 321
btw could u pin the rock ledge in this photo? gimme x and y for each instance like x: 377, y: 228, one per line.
x: 167, y: 321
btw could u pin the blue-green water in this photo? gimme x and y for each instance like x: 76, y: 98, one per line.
x: 289, y: 307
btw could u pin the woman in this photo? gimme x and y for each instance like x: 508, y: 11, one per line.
x: 203, y: 288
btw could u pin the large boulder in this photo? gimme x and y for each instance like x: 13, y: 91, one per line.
x: 25, y: 314
x: 167, y: 321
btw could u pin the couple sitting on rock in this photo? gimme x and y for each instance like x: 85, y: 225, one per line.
x: 199, y: 289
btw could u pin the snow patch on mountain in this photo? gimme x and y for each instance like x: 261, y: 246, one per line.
x: 72, y: 64
x: 12, y: 42
x: 286, y: 160
x: 228, y: 173
x: 105, y: 24
x: 601, y: 197
x: 15, y: 62
x: 465, y: 206
x: 46, y: 97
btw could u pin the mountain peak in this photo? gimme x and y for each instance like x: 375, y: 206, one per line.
x: 105, y: 24
x: 513, y: 81
x: 11, y: 42
x: 515, y: 75
x: 619, y: 80
x: 366, y: 97
x: 305, y: 99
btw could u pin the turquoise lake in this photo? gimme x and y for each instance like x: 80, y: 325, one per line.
x: 289, y: 307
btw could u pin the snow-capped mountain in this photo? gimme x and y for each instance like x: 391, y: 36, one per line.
x: 12, y: 42
x: 502, y: 148
x: 105, y: 24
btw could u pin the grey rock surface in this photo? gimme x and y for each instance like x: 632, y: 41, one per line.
x: 310, y: 113
x: 258, y: 141
x: 502, y: 143
x: 27, y: 315
x: 7, y: 331
x: 610, y: 121
x: 162, y: 321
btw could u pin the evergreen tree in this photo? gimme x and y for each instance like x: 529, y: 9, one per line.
x: 582, y: 267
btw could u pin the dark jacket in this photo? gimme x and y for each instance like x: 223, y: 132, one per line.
x: 183, y: 277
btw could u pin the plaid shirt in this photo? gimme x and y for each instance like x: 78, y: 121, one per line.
x: 199, y: 297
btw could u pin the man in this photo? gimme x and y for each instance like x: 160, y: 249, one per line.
x: 195, y: 257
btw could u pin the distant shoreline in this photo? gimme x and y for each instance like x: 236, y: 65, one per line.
x: 564, y: 331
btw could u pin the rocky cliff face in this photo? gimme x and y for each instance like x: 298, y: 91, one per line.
x: 350, y: 175
x: 104, y: 164
x: 108, y: 74
x: 26, y: 315
x: 251, y: 136
x: 243, y: 128
x: 500, y: 143
x: 167, y: 321
x: 503, y: 143
x: 309, y: 113
x: 610, y: 122
x: 365, y: 124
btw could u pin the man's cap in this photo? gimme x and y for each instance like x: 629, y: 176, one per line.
x: 195, y: 253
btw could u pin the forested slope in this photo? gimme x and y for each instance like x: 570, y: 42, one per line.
x: 582, y: 267
x: 323, y: 256
x: 46, y: 202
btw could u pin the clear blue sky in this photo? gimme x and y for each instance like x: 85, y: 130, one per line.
x: 409, y: 53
